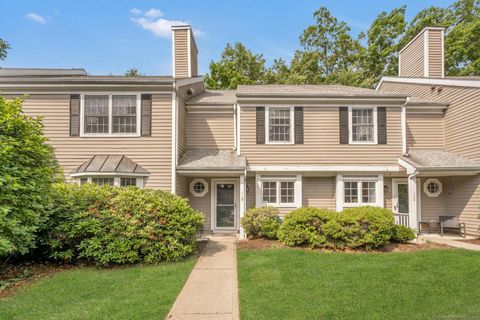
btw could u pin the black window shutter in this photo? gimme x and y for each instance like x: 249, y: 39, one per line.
x: 260, y: 125
x: 298, y: 113
x: 343, y: 116
x: 74, y: 115
x: 146, y: 114
x: 382, y: 125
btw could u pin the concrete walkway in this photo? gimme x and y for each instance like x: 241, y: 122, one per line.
x: 211, y: 291
x: 452, y: 241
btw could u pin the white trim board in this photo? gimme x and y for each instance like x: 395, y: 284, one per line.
x: 327, y: 168
x: 431, y: 81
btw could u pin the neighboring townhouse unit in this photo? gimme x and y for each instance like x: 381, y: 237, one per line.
x: 442, y: 143
x: 281, y: 145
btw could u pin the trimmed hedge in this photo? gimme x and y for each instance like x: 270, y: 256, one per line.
x: 261, y: 222
x: 108, y: 225
x: 403, y: 234
x: 367, y: 227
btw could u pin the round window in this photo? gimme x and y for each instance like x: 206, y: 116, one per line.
x: 198, y: 187
x: 432, y: 187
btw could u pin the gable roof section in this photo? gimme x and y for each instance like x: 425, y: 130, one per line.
x: 214, y: 97
x: 40, y: 72
x: 109, y: 165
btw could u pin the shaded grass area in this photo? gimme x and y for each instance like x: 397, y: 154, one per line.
x: 300, y: 284
x: 135, y: 292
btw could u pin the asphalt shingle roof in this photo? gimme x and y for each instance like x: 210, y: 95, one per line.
x: 438, y: 159
x: 196, y: 159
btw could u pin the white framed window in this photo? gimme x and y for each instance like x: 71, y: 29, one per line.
x: 279, y: 124
x: 432, y: 187
x: 279, y: 191
x: 362, y: 122
x: 198, y: 187
x: 106, y: 115
x: 361, y: 190
x: 116, y: 181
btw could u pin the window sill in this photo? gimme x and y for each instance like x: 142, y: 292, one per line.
x: 115, y: 135
x: 362, y: 143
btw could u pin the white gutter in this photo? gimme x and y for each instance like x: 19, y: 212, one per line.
x: 404, y: 128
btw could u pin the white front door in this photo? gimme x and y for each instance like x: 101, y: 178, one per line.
x: 400, y: 201
x: 224, y: 204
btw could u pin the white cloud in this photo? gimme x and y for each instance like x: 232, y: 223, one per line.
x: 136, y: 11
x: 36, y: 18
x: 160, y: 27
x: 153, y: 13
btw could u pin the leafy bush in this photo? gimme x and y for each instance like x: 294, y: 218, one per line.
x: 26, y: 173
x: 368, y: 227
x: 261, y: 222
x: 402, y: 234
x: 109, y: 225
x: 304, y: 226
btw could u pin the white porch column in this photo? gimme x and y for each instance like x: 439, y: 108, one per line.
x: 413, y: 201
x: 242, y: 204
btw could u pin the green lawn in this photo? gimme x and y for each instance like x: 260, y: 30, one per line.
x: 137, y: 292
x: 299, y: 284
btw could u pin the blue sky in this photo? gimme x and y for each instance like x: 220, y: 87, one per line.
x: 109, y: 37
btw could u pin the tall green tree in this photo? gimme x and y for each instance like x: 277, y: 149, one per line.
x: 133, y: 72
x: 26, y: 172
x: 383, y: 37
x: 4, y: 46
x: 237, y: 65
x: 328, y: 50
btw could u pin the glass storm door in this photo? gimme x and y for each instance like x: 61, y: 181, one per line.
x: 400, y: 202
x: 225, y: 205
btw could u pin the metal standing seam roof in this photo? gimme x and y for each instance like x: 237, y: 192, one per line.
x: 209, y: 159
x: 436, y: 159
x: 110, y: 164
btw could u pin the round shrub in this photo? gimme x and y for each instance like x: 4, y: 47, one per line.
x: 304, y: 226
x: 109, y: 225
x: 377, y: 225
x: 261, y: 222
x: 402, y: 234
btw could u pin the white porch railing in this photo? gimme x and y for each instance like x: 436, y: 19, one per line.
x: 402, y: 219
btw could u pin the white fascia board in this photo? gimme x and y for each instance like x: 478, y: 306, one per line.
x: 324, y: 168
x: 108, y: 174
x: 434, y: 81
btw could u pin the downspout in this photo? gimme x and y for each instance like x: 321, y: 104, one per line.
x: 235, y: 140
x: 404, y: 128
x: 174, y: 139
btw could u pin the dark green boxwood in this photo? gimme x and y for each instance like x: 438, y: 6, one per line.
x: 108, y: 225
x: 261, y: 222
x: 403, y: 234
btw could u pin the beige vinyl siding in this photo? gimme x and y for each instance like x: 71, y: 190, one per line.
x: 193, y: 57
x: 433, y: 207
x: 321, y: 142
x: 250, y: 198
x: 181, y: 53
x: 202, y: 204
x: 210, y: 130
x: 319, y: 192
x: 412, y: 59
x: 153, y: 153
x: 182, y: 187
x: 435, y: 56
x: 461, y: 119
x: 425, y: 130
x: 387, y: 193
x: 461, y: 136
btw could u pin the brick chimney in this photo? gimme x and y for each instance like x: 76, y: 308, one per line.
x: 184, y: 52
x: 423, y: 57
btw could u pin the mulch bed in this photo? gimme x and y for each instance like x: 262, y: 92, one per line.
x: 259, y: 244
